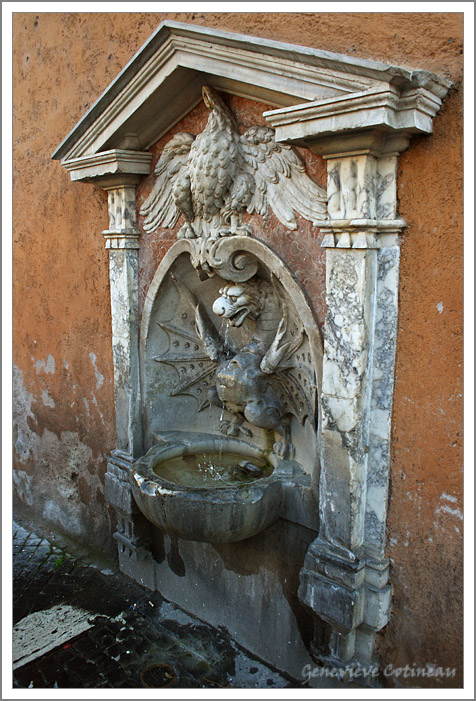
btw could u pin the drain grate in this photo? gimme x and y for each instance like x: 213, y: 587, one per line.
x: 158, y: 675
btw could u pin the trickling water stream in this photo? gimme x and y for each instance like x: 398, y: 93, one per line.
x: 210, y: 470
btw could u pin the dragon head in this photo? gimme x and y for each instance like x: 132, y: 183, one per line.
x: 237, y: 302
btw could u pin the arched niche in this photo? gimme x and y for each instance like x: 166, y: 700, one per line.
x: 269, y: 293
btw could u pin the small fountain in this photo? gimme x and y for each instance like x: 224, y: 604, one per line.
x: 210, y: 489
x: 233, y: 362
x: 230, y: 351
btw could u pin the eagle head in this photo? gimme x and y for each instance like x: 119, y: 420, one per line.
x: 215, y: 103
x: 210, y: 97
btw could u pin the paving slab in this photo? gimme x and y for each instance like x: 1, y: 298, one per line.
x: 77, y: 626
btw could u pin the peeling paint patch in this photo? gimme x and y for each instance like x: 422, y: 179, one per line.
x: 95, y: 402
x: 66, y: 520
x: 22, y: 400
x: 48, y: 367
x: 47, y: 399
x: 52, y: 492
x: 99, y: 377
x: 448, y: 510
x: 448, y: 497
x: 23, y: 485
x: 439, y: 306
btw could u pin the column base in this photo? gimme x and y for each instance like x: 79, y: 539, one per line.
x: 350, y: 596
x: 132, y: 534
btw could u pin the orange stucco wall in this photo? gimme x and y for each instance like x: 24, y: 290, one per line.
x: 63, y: 378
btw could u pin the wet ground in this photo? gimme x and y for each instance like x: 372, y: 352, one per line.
x: 79, y: 626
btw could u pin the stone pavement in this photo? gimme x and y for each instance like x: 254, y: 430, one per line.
x: 77, y: 626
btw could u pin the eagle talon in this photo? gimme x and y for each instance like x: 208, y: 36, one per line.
x: 243, y: 230
x: 187, y: 232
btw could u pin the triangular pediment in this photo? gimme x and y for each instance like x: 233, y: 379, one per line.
x: 163, y: 82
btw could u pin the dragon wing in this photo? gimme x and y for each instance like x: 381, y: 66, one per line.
x: 290, y: 369
x: 195, y: 347
x: 160, y: 207
x: 296, y: 389
x: 280, y: 178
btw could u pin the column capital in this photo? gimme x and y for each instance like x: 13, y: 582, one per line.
x: 325, y: 126
x: 123, y: 232
x: 110, y: 169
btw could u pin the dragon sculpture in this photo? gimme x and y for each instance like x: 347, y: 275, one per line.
x: 265, y: 382
x: 213, y: 178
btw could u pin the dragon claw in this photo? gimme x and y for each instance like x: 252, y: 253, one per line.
x: 230, y: 428
x: 284, y: 450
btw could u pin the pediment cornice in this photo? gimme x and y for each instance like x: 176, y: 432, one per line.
x: 163, y: 82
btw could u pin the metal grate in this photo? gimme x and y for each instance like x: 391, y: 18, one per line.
x: 157, y: 675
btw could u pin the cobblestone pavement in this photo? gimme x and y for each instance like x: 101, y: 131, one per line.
x: 76, y: 626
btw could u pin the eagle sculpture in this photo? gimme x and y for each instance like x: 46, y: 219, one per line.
x: 213, y: 178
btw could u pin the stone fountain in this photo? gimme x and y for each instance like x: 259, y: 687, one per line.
x: 249, y: 480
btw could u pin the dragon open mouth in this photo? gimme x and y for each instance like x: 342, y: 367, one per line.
x: 238, y: 317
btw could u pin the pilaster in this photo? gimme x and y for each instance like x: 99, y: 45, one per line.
x: 122, y: 241
x: 344, y: 580
x: 117, y: 172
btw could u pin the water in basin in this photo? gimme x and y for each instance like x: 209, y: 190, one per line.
x: 212, y: 470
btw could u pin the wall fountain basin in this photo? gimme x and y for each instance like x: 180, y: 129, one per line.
x: 208, y: 488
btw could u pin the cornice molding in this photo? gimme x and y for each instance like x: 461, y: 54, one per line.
x: 387, y: 109
x: 108, y: 163
x: 163, y: 82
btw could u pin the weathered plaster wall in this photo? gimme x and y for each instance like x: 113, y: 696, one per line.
x: 64, y: 411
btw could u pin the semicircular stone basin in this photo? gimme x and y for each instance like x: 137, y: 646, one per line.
x: 207, y: 488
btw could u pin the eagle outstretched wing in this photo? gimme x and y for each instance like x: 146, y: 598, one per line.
x: 280, y: 178
x: 161, y: 205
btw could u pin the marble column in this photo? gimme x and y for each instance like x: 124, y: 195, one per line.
x: 122, y: 241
